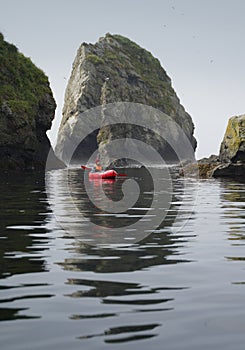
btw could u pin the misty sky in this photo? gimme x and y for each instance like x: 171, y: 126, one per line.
x: 200, y: 43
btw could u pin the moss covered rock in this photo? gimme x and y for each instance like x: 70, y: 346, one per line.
x: 231, y: 161
x: 27, y: 109
x: 233, y: 145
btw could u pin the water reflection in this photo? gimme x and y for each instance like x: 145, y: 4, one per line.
x: 86, y: 200
x: 81, y: 218
x: 122, y: 297
x: 23, y: 236
x: 125, y: 329
x: 172, y: 286
x: 109, y: 289
x: 233, y: 198
x: 113, y: 297
x: 153, y: 250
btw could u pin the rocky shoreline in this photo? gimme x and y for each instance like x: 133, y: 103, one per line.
x: 230, y: 163
x: 114, y: 69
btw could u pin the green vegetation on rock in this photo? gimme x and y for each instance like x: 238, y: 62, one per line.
x: 27, y: 108
x: 145, y: 63
x: 95, y: 59
x: 146, y: 68
x: 22, y: 83
x: 232, y: 148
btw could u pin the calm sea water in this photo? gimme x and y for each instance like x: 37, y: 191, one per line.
x: 180, y: 287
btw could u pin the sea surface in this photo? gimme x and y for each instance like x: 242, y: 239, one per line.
x: 74, y: 276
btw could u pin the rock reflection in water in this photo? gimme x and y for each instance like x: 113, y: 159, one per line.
x: 112, y: 298
x: 21, y: 225
x: 81, y: 219
x: 23, y: 238
x: 233, y: 197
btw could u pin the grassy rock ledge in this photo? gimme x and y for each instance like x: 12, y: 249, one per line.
x: 27, y: 109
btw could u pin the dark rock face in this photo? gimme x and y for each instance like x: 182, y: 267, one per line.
x: 116, y: 69
x: 27, y: 109
x: 232, y: 170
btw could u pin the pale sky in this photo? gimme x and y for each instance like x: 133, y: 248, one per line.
x: 200, y: 43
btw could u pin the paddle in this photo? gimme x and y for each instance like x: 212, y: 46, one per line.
x: 89, y: 169
x: 86, y: 168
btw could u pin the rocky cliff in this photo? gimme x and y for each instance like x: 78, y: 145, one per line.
x: 116, y: 69
x: 231, y: 159
x: 232, y: 150
x: 27, y: 109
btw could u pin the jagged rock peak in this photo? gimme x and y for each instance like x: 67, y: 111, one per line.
x: 115, y: 69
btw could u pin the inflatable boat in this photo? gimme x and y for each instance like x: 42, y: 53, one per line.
x: 108, y: 174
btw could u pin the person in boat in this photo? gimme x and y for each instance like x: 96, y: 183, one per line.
x: 98, y: 166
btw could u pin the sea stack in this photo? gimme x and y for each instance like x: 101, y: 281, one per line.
x: 27, y: 109
x: 115, y: 69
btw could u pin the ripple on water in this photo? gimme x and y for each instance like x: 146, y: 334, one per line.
x: 183, y: 289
